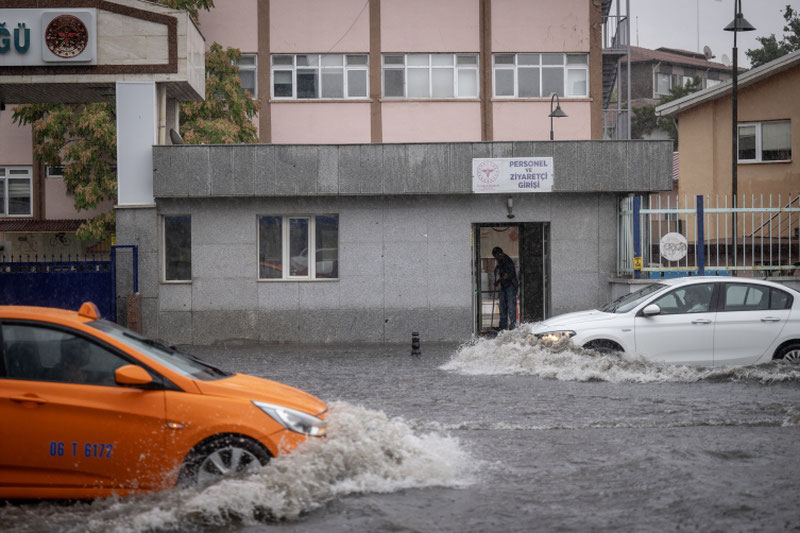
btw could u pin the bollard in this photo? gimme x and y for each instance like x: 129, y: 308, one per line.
x: 415, y: 343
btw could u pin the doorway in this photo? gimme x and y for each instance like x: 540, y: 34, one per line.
x: 527, y: 244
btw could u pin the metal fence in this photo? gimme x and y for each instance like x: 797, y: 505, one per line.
x: 662, y: 236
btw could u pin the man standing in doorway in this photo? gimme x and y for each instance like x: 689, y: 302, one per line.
x: 505, y: 275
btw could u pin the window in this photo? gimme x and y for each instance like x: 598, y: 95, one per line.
x: 178, y: 248
x: 285, y: 244
x: 691, y: 299
x: 540, y: 75
x: 304, y: 76
x: 54, y: 172
x: 248, y: 73
x: 430, y: 76
x: 755, y: 298
x: 711, y: 83
x: 43, y: 354
x: 663, y: 83
x: 16, y: 191
x: 765, y: 141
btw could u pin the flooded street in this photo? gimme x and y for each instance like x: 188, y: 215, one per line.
x: 499, y: 435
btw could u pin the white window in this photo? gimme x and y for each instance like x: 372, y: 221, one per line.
x: 305, y: 76
x: 765, y: 141
x: 16, y: 191
x: 686, y: 80
x: 285, y: 244
x: 663, y: 83
x: 540, y: 75
x: 711, y: 83
x: 177, y: 246
x: 430, y: 76
x: 248, y: 73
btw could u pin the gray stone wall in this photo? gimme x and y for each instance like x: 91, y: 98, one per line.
x: 405, y: 265
x: 405, y: 243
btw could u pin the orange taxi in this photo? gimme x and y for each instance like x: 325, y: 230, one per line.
x: 89, y: 408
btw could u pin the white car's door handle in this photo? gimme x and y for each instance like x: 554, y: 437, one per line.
x: 770, y: 319
x: 701, y: 321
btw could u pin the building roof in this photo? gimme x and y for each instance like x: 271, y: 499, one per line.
x: 748, y: 78
x: 674, y: 56
x: 26, y: 225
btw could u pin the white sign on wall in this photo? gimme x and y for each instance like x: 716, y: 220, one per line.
x: 512, y: 174
x: 673, y: 246
x: 36, y: 37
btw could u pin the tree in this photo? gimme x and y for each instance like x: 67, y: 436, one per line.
x: 226, y: 115
x: 644, y: 120
x: 82, y: 138
x: 771, y: 47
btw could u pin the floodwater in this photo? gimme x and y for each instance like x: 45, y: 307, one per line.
x: 496, y: 435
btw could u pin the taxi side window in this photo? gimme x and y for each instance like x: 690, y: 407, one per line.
x: 44, y: 354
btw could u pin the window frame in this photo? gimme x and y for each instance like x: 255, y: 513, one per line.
x: 770, y: 295
x: 431, y: 67
x: 164, y: 278
x: 249, y: 68
x: 655, y: 83
x: 319, y: 68
x: 758, y: 135
x: 6, y: 175
x: 310, y: 247
x: 565, y: 66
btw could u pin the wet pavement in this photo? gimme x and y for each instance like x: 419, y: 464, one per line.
x: 500, y: 435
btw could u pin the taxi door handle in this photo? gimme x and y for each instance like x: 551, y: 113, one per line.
x: 770, y: 319
x: 701, y: 321
x: 28, y: 399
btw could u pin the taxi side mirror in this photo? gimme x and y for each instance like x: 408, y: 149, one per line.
x: 651, y: 310
x: 132, y: 375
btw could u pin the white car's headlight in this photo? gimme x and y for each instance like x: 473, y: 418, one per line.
x: 555, y: 336
x: 294, y: 420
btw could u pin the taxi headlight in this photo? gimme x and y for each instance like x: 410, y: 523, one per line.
x: 294, y: 420
x: 555, y: 336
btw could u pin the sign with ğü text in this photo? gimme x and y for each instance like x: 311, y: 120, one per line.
x: 512, y: 174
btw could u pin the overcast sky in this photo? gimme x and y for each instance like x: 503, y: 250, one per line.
x: 674, y: 24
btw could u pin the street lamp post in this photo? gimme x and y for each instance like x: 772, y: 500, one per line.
x: 555, y: 113
x: 739, y: 24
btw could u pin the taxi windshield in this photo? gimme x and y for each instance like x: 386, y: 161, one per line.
x: 182, y: 363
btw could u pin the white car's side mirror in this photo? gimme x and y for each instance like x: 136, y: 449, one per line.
x: 651, y: 310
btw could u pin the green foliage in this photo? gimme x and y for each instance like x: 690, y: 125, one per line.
x: 190, y: 5
x: 82, y: 139
x: 771, y: 47
x: 644, y: 120
x: 226, y: 115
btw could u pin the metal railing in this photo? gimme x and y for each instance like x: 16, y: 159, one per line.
x: 766, y: 239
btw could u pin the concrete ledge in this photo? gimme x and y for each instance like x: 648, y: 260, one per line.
x: 215, y: 171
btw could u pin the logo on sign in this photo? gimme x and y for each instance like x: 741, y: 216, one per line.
x: 488, y: 171
x: 673, y: 246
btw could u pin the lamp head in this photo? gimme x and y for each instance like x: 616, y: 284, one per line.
x: 558, y: 113
x: 739, y: 24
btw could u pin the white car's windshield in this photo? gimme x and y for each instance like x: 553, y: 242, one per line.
x: 182, y: 363
x: 626, y: 302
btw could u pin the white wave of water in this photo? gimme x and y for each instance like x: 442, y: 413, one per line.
x: 519, y: 352
x: 364, y: 452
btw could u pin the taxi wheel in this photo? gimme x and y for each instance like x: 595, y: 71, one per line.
x: 220, y: 456
x: 790, y: 353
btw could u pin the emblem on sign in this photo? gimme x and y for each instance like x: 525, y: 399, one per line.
x: 66, y: 36
x: 488, y: 171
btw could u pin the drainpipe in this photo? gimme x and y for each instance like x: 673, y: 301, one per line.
x: 162, y: 113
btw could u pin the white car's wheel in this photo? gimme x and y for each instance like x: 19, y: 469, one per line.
x: 790, y: 353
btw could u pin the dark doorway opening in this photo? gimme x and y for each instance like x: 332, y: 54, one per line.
x: 528, y: 245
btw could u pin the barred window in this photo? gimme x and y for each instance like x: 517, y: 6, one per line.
x: 430, y: 76
x: 307, y: 76
x: 534, y: 75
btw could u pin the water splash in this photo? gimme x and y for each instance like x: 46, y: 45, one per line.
x: 365, y: 451
x: 520, y: 352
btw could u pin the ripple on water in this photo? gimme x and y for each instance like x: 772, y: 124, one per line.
x: 365, y: 451
x: 520, y: 352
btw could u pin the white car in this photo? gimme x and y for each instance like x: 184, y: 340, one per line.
x: 699, y: 321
